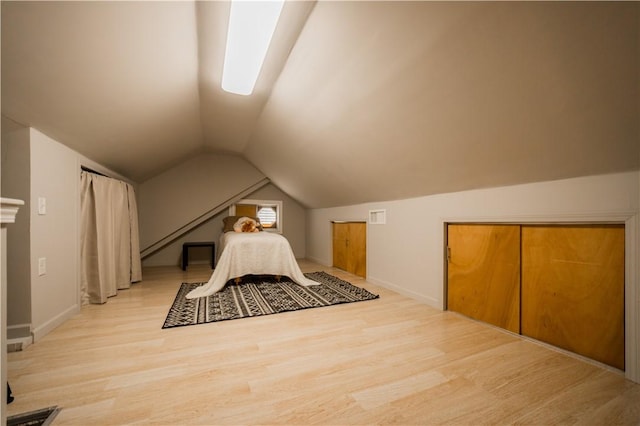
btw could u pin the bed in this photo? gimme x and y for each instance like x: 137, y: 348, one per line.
x: 252, y: 253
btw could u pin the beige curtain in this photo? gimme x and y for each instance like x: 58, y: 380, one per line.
x: 109, y: 240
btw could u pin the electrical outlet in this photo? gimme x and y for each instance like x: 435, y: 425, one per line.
x: 42, y: 266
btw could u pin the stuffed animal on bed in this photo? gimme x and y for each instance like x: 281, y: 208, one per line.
x: 246, y: 224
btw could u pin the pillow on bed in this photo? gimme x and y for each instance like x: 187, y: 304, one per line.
x: 246, y: 224
x: 229, y: 221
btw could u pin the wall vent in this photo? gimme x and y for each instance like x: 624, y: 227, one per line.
x: 14, y: 347
x: 377, y: 217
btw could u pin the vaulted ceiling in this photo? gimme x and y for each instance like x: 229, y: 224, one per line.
x: 357, y: 101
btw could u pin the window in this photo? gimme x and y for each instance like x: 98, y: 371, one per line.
x: 268, y: 211
x: 268, y: 216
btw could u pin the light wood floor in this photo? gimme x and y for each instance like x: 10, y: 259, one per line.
x: 387, y: 361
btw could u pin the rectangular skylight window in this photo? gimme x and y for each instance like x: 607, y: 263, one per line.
x: 251, y: 27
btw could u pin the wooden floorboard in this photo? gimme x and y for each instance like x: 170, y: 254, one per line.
x: 391, y: 360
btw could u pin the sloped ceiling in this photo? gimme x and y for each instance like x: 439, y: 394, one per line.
x: 357, y: 102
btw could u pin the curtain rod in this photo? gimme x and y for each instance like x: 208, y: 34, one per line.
x: 87, y: 169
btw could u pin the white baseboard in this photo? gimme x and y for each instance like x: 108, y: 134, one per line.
x: 419, y: 297
x: 41, y: 331
x: 322, y: 262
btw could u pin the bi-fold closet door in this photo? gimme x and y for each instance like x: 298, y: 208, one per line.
x: 560, y: 284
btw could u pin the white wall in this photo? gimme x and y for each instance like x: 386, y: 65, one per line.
x: 55, y: 175
x: 183, y: 193
x: 407, y: 254
x: 293, y: 217
x: 34, y: 166
x: 171, y: 254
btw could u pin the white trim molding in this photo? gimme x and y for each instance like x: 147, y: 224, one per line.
x: 8, y: 214
x: 44, y: 329
x: 10, y: 208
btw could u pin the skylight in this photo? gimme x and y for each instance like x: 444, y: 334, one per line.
x: 251, y: 27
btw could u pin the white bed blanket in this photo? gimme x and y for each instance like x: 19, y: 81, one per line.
x: 259, y: 253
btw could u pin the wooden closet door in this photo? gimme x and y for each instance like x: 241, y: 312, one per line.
x: 350, y: 247
x: 340, y: 237
x: 357, y: 249
x: 484, y: 273
x: 573, y: 289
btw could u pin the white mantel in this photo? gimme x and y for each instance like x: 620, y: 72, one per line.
x: 10, y: 208
x: 8, y: 214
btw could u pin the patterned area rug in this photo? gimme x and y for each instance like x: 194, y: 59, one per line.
x: 260, y: 295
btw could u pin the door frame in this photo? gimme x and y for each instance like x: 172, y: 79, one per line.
x: 631, y: 279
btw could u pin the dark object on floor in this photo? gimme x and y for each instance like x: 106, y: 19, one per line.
x: 261, y: 295
x: 42, y: 417
x: 9, y: 394
x: 185, y: 253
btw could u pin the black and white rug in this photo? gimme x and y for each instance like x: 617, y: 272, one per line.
x: 261, y: 295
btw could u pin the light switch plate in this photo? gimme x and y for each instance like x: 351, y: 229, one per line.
x: 42, y: 205
x: 42, y: 266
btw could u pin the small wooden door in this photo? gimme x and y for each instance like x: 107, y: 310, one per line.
x: 484, y: 273
x: 573, y: 289
x: 249, y: 210
x: 350, y: 247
